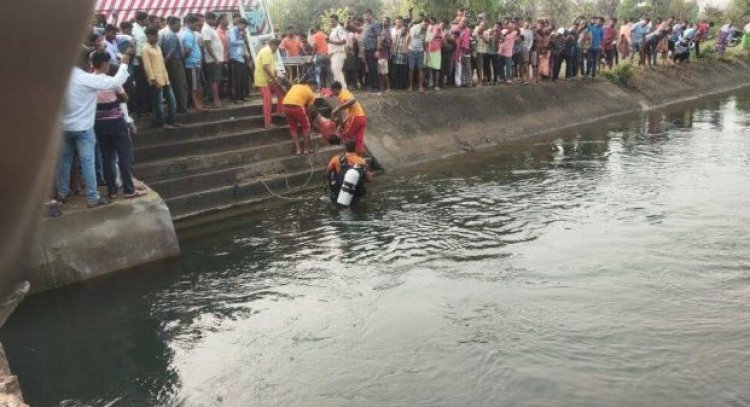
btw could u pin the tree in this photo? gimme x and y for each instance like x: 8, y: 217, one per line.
x: 342, y: 13
x: 739, y: 11
x: 628, y: 9
x: 559, y: 12
x: 305, y: 14
x: 712, y: 14
x: 683, y: 9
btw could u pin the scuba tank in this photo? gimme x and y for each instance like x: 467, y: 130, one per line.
x: 348, y: 187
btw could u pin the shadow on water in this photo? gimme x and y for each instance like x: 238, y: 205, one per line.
x: 492, y: 253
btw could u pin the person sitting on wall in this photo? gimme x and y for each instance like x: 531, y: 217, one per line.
x: 356, y: 119
x: 297, y: 100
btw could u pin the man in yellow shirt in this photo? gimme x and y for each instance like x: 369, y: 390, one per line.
x: 266, y: 81
x: 296, y: 102
x: 156, y: 73
x: 356, y: 120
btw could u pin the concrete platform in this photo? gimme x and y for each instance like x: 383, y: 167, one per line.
x: 83, y: 243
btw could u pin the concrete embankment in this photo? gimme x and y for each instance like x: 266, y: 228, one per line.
x: 406, y: 129
x: 86, y: 243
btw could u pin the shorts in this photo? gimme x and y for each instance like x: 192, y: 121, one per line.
x: 416, y: 59
x: 609, y: 55
x: 354, y: 130
x: 383, y: 66
x: 637, y: 47
x: 526, y: 57
x: 194, y: 78
x: 296, y: 117
x: 213, y: 72
x: 534, y: 58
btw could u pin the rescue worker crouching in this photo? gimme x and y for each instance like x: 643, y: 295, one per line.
x: 346, y: 175
x: 296, y: 102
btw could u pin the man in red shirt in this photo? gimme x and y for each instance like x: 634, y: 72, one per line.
x: 610, y: 42
x: 703, y: 28
x: 290, y: 44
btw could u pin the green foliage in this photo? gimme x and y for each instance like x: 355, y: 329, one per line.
x: 738, y: 12
x: 305, y: 14
x: 712, y: 14
x: 342, y: 13
x: 682, y: 9
x: 708, y: 52
x: 623, y: 75
x: 628, y: 9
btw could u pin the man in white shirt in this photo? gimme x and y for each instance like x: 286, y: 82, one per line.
x: 214, y: 55
x: 337, y: 50
x: 396, y: 29
x: 78, y: 125
x: 142, y: 100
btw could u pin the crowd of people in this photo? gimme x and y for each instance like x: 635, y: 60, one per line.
x: 163, y: 66
x: 426, y: 52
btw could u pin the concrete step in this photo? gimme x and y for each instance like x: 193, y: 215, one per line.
x: 199, y: 130
x: 226, y: 197
x: 252, y: 108
x: 212, y: 144
x: 265, y: 158
x: 186, y: 184
x: 225, y: 158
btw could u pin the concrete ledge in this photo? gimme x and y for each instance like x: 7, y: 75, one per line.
x: 406, y: 128
x: 86, y: 243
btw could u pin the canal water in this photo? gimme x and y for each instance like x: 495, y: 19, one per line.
x: 605, y: 266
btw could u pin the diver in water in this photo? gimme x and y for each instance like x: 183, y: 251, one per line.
x: 346, y: 175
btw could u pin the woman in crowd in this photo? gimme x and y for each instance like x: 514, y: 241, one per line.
x: 725, y: 34
x: 434, y: 52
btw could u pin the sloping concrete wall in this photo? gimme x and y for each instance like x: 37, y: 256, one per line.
x: 87, y: 243
x: 405, y: 129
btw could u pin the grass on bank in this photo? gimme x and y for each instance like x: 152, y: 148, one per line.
x: 625, y: 75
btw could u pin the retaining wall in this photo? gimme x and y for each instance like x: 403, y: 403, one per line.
x: 408, y: 128
x: 86, y: 243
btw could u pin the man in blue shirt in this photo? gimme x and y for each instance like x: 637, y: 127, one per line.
x: 171, y: 48
x: 637, y: 35
x: 597, y: 38
x: 238, y: 55
x: 193, y: 57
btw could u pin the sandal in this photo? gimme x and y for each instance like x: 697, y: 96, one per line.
x: 136, y: 194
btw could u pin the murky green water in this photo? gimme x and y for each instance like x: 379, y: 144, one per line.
x: 609, y: 267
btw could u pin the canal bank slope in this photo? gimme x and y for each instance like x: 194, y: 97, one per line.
x: 407, y: 128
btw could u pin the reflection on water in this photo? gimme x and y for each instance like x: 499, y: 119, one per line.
x: 604, y: 266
